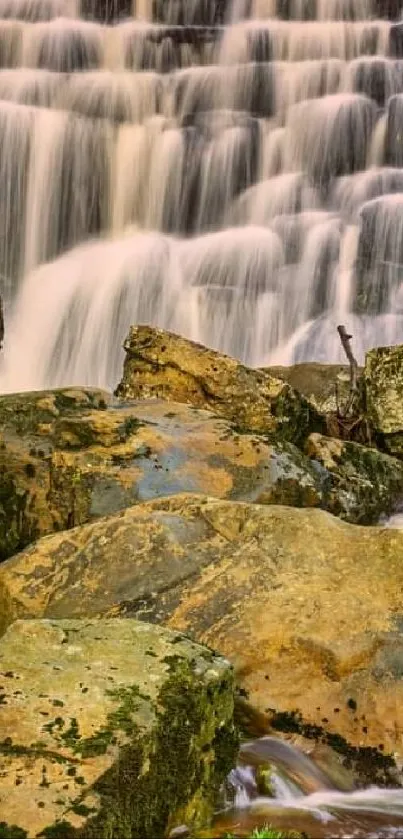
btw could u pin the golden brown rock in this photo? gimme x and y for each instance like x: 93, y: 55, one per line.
x: 383, y: 377
x: 70, y: 456
x: 308, y: 608
x: 164, y: 365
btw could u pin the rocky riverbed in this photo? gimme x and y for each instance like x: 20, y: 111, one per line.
x: 236, y: 508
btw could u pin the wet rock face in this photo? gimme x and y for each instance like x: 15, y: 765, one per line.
x: 106, y: 724
x: 163, y: 365
x: 325, y: 386
x: 384, y: 396
x: 350, y: 118
x: 363, y: 481
x: 379, y: 253
x: 305, y: 606
x: 67, y: 457
x: 106, y: 11
x: 393, y: 146
x: 30, y: 504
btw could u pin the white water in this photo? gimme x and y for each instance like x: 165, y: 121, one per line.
x: 229, y: 170
x: 325, y: 805
x: 325, y: 812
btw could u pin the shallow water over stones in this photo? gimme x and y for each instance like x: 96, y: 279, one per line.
x: 276, y: 784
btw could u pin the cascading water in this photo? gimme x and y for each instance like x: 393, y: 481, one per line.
x: 293, y: 792
x: 229, y: 169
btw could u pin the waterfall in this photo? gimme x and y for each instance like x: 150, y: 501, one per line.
x: 228, y: 169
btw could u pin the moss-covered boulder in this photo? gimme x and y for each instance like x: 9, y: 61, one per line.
x: 70, y: 456
x: 384, y: 396
x: 110, y: 728
x: 364, y: 483
x: 161, y: 364
x: 308, y: 608
x: 32, y: 501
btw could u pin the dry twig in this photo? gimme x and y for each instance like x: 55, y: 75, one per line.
x: 345, y: 339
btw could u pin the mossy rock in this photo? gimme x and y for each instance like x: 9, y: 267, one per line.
x: 383, y: 378
x: 75, y: 455
x: 364, y: 482
x: 164, y: 365
x: 68, y: 457
x: 30, y: 504
x: 110, y: 728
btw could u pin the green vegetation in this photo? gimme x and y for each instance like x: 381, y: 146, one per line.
x: 267, y: 832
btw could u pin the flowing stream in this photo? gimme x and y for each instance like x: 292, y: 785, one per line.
x: 302, y: 797
x: 229, y: 169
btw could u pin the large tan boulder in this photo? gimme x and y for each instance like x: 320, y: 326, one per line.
x: 164, y: 365
x: 308, y: 608
x: 110, y: 729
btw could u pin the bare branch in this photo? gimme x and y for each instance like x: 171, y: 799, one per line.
x: 345, y: 339
x: 1, y: 323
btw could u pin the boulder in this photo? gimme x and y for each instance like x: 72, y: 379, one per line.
x: 69, y: 456
x: 364, y: 483
x: 318, y: 383
x: 110, y: 728
x: 384, y: 396
x: 307, y: 607
x: 31, y: 503
x: 159, y: 364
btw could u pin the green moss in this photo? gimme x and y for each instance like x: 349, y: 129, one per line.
x: 59, y: 830
x: 188, y: 762
x: 121, y: 719
x: 21, y: 412
x: 71, y: 495
x: 35, y: 750
x: 56, y: 724
x: 269, y: 833
x: 71, y: 736
x: 129, y: 427
x: 377, y: 482
x: 296, y: 417
x: 11, y: 831
x: 17, y: 529
x: 82, y: 809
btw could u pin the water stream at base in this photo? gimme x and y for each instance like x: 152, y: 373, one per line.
x: 303, y: 798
